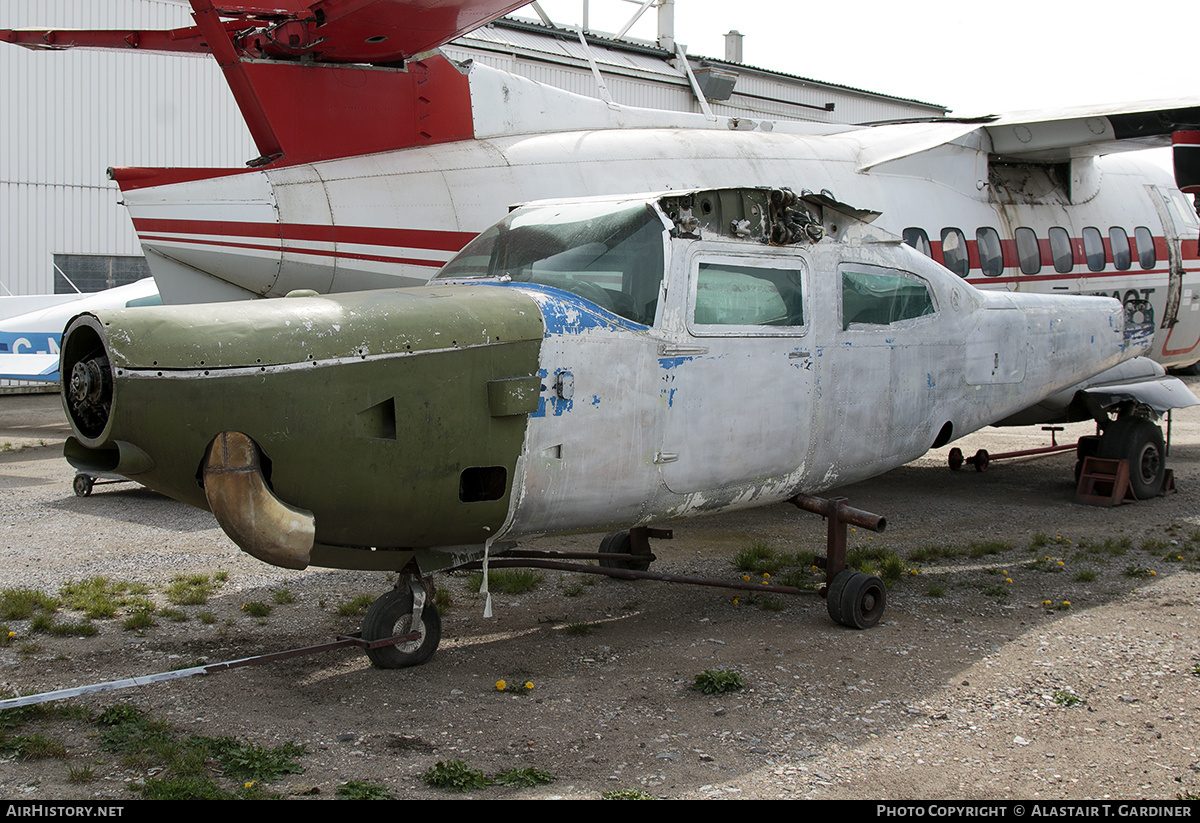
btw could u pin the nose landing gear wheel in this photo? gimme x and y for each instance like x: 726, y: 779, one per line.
x: 855, y: 599
x: 392, y: 615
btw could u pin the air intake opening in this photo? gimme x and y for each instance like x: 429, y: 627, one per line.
x: 479, y: 483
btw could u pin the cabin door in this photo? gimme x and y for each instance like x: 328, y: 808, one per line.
x: 737, y: 384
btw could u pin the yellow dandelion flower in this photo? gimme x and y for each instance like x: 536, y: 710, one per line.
x: 735, y: 601
x: 1045, y: 602
x: 1066, y: 602
x: 746, y: 577
x: 501, y: 685
x: 912, y: 571
x: 528, y: 685
x: 12, y: 634
x: 1153, y: 573
x: 248, y: 784
x: 766, y: 576
x: 1008, y: 580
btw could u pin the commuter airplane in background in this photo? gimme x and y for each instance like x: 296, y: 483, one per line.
x: 380, y: 159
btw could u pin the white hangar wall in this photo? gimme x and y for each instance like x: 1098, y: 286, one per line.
x: 69, y: 115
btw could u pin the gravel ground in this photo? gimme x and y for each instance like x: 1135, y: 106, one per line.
x: 971, y: 687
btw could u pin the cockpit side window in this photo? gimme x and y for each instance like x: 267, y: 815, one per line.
x: 610, y: 254
x: 881, y: 297
x: 732, y: 295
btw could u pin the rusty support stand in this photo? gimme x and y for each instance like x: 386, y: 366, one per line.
x: 839, y: 515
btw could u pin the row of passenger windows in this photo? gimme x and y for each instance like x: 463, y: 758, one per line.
x: 731, y: 295
x: 1031, y: 254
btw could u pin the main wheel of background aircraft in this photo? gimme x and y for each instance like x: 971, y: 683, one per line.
x: 82, y: 485
x: 620, y: 543
x: 391, y: 615
x: 1140, y: 442
x: 855, y: 599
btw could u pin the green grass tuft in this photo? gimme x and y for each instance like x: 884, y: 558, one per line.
x: 456, y: 776
x: 362, y: 790
x: 718, y: 681
x: 524, y: 778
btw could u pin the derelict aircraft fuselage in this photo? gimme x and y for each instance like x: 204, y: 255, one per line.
x: 582, y: 366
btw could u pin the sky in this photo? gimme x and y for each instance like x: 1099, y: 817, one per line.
x: 973, y: 57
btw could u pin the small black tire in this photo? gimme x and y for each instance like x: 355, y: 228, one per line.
x: 955, y: 459
x: 855, y: 599
x: 1140, y: 442
x: 981, y: 460
x: 82, y: 485
x: 620, y: 546
x: 391, y: 615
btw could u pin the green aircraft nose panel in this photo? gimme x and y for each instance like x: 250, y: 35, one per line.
x: 396, y: 417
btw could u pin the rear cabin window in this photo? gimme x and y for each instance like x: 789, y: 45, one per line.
x: 729, y: 295
x: 1119, y: 240
x: 1093, y: 249
x: 1029, y: 252
x: 1147, y: 256
x: 1060, y: 249
x: 954, y: 251
x: 991, y: 255
x: 881, y: 298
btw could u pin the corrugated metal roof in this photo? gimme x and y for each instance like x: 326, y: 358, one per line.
x: 539, y: 37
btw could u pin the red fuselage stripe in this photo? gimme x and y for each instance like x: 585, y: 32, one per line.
x: 361, y: 235
x: 380, y: 258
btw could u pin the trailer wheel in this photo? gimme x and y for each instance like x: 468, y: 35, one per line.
x: 855, y: 599
x: 82, y: 485
x: 620, y: 545
x: 955, y: 459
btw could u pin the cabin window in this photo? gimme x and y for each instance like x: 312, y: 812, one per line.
x: 991, y: 256
x: 1093, y: 249
x: 1060, y: 250
x: 876, y: 298
x: 729, y: 295
x: 610, y: 254
x: 1119, y: 240
x: 1029, y: 252
x: 954, y: 251
x: 919, y: 240
x: 1147, y: 256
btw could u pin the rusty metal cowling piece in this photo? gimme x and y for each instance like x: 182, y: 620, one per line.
x: 255, y: 519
